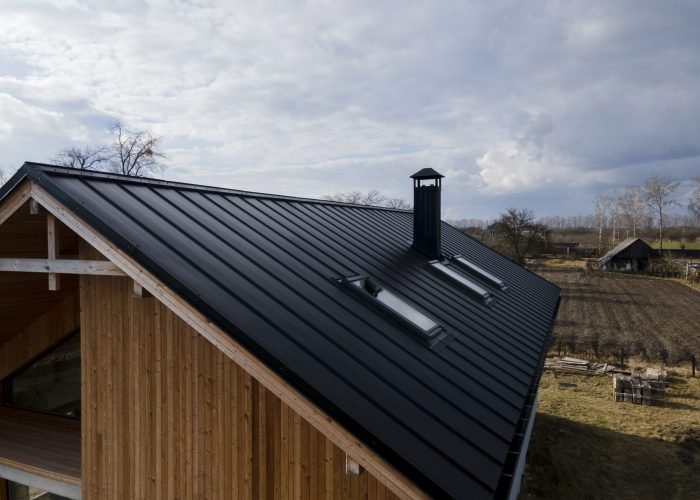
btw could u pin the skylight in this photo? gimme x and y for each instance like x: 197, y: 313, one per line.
x: 395, y: 304
x: 427, y: 329
x: 462, y: 280
x: 479, y: 271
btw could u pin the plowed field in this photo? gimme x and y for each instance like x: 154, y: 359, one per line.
x: 656, y: 319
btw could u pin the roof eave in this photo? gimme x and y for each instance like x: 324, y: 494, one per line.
x: 13, y: 181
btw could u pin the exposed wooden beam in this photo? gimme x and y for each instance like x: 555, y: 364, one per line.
x: 33, y: 207
x: 54, y: 280
x: 13, y: 201
x: 140, y: 292
x: 352, y: 468
x: 60, y: 266
x: 370, y: 461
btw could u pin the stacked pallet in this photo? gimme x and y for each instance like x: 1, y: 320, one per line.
x: 575, y: 365
x: 639, y: 389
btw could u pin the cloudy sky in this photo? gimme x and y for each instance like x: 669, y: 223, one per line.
x: 536, y: 104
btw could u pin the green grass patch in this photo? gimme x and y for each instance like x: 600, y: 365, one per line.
x: 585, y: 445
x: 676, y: 245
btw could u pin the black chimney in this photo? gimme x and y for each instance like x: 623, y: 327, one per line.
x: 426, y: 212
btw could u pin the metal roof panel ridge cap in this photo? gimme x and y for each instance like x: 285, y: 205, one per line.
x: 110, y: 176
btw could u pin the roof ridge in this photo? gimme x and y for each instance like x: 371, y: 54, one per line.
x: 45, y: 167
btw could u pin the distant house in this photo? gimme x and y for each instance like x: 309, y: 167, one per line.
x: 633, y: 254
x: 161, y: 340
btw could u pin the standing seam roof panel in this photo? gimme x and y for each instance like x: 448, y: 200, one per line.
x: 261, y: 266
x: 439, y: 442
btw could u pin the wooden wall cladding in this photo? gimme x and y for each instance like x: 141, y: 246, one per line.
x: 166, y: 415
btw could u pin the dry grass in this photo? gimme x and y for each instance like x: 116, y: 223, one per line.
x: 561, y: 263
x: 585, y: 445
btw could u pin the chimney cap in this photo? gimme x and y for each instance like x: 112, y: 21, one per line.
x: 426, y: 173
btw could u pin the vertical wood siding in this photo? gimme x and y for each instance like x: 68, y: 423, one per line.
x: 166, y: 415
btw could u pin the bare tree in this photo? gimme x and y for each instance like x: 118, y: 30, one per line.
x: 694, y: 204
x: 658, y: 194
x: 371, y: 198
x: 603, y: 202
x: 133, y: 152
x: 517, y: 228
x: 398, y: 203
x: 615, y: 217
x: 633, y: 208
x: 87, y: 158
x: 3, y: 177
x: 136, y: 152
x: 353, y: 197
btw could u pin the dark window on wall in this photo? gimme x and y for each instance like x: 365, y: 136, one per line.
x: 16, y: 491
x: 51, y: 383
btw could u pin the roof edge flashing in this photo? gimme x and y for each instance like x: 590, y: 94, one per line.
x: 13, y: 181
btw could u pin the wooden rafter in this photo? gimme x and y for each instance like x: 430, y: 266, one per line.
x: 13, y: 201
x: 364, y: 456
x: 51, y: 237
x: 33, y: 207
x: 140, y: 292
x: 62, y: 266
x: 352, y: 468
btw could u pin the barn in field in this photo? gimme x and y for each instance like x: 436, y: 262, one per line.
x: 161, y: 340
x: 633, y: 254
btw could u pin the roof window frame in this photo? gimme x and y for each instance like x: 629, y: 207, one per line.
x: 445, y: 269
x: 432, y: 337
x: 478, y: 272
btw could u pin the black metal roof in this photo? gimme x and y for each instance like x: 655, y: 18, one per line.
x: 264, y: 269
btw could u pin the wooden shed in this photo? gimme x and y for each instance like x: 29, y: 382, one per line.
x: 633, y: 254
x: 161, y: 340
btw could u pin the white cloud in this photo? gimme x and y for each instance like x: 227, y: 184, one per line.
x: 308, y: 97
x: 507, y: 168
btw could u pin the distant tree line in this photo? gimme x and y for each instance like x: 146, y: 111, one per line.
x: 647, y: 206
x: 132, y: 152
x: 371, y: 198
x: 652, y: 206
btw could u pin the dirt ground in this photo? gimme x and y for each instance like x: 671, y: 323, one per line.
x: 652, y: 319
